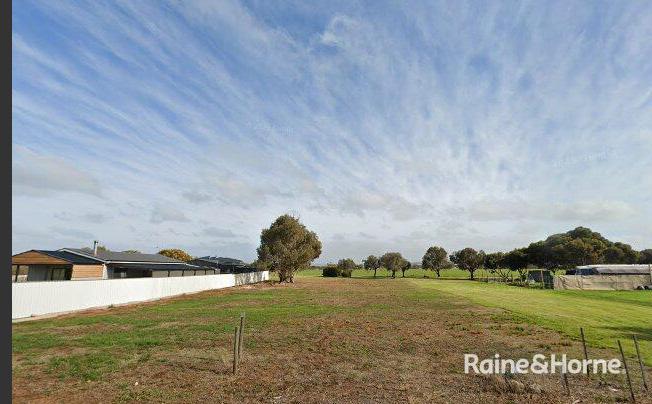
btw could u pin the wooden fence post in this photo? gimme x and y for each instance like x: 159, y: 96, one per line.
x: 236, y: 337
x: 240, y: 345
x: 629, y: 381
x: 640, y: 363
x: 586, y: 353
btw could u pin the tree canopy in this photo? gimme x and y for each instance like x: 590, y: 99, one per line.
x: 287, y: 246
x: 435, y: 259
x: 372, y: 263
x: 176, y: 254
x: 580, y: 246
x: 392, y: 261
x: 468, y: 259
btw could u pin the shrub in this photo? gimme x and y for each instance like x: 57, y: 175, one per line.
x: 330, y: 271
x: 346, y: 273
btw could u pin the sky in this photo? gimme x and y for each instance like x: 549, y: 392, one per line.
x: 384, y: 126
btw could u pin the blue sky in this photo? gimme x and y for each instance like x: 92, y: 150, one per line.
x: 385, y: 126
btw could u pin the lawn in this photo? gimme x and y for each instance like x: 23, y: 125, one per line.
x: 318, y: 340
x: 605, y: 315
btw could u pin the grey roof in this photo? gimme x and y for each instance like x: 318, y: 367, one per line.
x: 114, y: 256
x: 221, y: 260
x: 159, y: 266
x: 609, y: 269
x: 70, y: 257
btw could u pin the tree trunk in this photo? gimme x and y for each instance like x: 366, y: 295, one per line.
x: 375, y: 272
x: 437, y: 273
x: 472, y: 274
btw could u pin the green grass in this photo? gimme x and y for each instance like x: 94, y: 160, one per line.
x: 606, y: 316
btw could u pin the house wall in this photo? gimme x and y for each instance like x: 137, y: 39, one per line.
x: 87, y: 272
x: 38, y: 298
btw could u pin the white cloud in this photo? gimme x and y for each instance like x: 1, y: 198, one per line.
x: 490, y: 129
x: 42, y: 175
x: 166, y: 213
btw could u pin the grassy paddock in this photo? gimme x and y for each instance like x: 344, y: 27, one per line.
x: 605, y: 315
x: 415, y: 273
x: 317, y: 339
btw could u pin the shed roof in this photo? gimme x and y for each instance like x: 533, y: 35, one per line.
x: 610, y: 269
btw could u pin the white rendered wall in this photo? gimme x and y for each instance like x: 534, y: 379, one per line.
x: 38, y: 298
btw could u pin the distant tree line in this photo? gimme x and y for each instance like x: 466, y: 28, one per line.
x: 580, y: 246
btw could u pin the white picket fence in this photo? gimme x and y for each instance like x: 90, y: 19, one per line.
x: 38, y: 298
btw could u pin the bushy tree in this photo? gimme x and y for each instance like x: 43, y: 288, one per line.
x: 406, y: 265
x: 331, y: 271
x: 493, y: 261
x: 580, y: 246
x: 176, y: 254
x: 517, y: 260
x: 345, y: 267
x: 287, y: 246
x: 468, y: 259
x: 372, y: 263
x: 645, y: 256
x: 435, y: 259
x: 392, y: 261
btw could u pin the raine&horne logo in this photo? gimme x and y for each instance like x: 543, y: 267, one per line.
x: 539, y: 364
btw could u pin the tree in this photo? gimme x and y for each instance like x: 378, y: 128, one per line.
x: 287, y: 246
x: 517, y: 260
x: 372, y: 263
x: 468, y: 259
x: 434, y: 259
x: 406, y: 265
x: 132, y: 252
x: 392, y: 261
x: 176, y: 254
x: 645, y: 256
x: 345, y: 267
x: 493, y: 261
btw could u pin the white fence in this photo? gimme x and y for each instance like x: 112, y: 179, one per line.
x: 38, y: 298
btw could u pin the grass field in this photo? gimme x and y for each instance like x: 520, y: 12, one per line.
x: 605, y: 315
x: 321, y: 340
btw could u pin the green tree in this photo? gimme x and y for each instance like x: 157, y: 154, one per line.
x: 645, y: 256
x: 372, y: 263
x: 406, y: 265
x: 287, y: 246
x: 345, y: 267
x: 434, y: 259
x: 392, y: 261
x: 468, y: 259
x: 176, y: 254
x: 132, y: 252
x: 517, y: 260
x: 493, y: 261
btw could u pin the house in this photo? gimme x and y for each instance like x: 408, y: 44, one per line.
x: 223, y: 264
x: 81, y: 264
x: 606, y: 277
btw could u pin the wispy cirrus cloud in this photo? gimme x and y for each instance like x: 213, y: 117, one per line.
x: 477, y: 124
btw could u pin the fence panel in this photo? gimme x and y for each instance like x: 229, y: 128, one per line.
x: 38, y: 298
